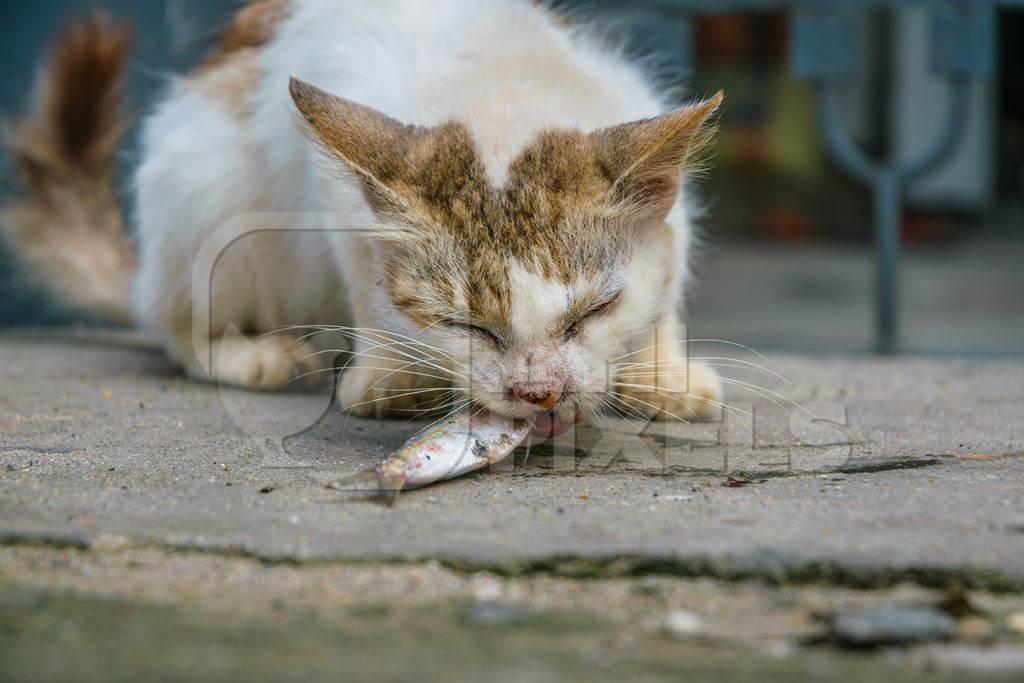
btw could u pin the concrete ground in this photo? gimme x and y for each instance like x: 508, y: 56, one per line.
x: 150, y: 524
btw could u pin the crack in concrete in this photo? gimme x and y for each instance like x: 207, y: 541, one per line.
x: 889, y: 466
x: 673, y: 471
x: 765, y: 566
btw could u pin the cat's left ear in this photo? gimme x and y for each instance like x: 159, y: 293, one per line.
x: 375, y: 147
x: 646, y: 159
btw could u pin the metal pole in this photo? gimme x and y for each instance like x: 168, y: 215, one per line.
x: 887, y: 257
x: 823, y: 52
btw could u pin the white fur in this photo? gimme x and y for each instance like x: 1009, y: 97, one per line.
x: 506, y: 68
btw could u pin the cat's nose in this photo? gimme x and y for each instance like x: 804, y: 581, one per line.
x: 542, y: 399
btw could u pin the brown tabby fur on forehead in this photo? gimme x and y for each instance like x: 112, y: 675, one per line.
x: 566, y: 209
x: 466, y: 230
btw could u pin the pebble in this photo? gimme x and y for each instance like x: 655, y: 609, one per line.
x: 974, y: 629
x: 892, y: 625
x: 110, y: 543
x: 682, y: 624
x: 484, y: 587
x: 1015, y: 622
x: 649, y: 585
x: 495, y: 613
x: 779, y: 649
x: 1000, y: 661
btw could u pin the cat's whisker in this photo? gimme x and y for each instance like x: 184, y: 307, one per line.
x: 409, y: 350
x: 730, y: 343
x: 446, y: 402
x: 630, y: 370
x: 317, y: 331
x: 767, y: 394
x: 425, y: 389
x: 338, y: 369
x: 384, y: 339
x: 718, y: 404
x: 415, y: 392
x: 299, y: 378
x: 390, y: 347
x: 667, y: 342
x: 399, y: 347
x: 457, y: 407
x: 687, y: 340
x: 676, y: 398
x: 392, y: 335
x: 426, y: 327
x: 729, y: 409
x: 416, y: 412
x: 621, y: 397
x: 761, y: 392
x: 744, y: 363
x: 401, y: 369
x: 676, y: 395
x: 758, y: 390
x: 287, y: 328
x: 640, y: 417
x: 366, y: 354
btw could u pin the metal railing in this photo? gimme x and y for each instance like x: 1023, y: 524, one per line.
x: 823, y: 51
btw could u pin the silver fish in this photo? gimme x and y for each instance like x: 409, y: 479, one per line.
x: 460, y: 444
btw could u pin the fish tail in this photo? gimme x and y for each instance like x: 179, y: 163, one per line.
x: 371, y: 481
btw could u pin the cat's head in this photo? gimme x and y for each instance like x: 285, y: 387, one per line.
x: 530, y: 291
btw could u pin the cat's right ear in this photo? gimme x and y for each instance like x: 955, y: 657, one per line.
x: 646, y: 160
x: 372, y: 145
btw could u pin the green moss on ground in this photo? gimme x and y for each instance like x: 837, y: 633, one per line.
x: 46, y: 637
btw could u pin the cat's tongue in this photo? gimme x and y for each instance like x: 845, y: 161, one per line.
x: 548, y: 426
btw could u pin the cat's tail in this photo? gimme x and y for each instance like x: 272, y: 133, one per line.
x: 65, y: 224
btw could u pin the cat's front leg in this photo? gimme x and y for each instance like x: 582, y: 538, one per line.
x: 269, y: 362
x: 660, y: 382
x: 385, y: 383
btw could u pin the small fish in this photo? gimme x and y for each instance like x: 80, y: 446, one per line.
x: 459, y: 445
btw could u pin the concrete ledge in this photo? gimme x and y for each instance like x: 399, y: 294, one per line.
x: 911, y: 470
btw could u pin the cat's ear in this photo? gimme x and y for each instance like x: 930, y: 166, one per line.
x: 646, y: 159
x: 375, y: 147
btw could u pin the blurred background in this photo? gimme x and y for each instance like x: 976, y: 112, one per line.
x: 786, y: 256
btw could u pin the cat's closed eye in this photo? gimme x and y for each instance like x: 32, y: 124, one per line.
x: 601, y: 308
x: 478, y: 331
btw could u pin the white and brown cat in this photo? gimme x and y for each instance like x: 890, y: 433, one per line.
x: 486, y: 197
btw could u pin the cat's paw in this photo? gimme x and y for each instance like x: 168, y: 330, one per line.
x: 680, y: 391
x: 268, y: 363
x: 393, y: 392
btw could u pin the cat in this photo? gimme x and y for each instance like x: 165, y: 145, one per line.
x: 489, y: 200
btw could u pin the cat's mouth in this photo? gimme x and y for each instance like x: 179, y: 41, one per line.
x: 549, y: 425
